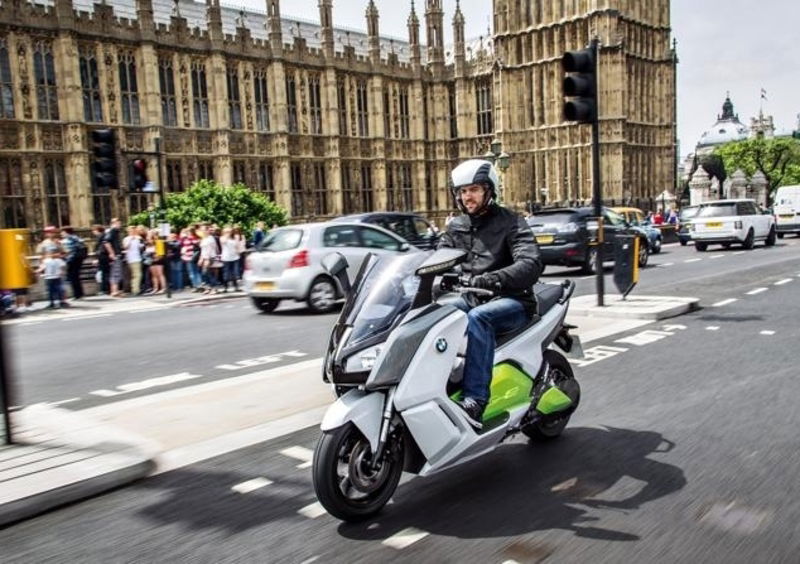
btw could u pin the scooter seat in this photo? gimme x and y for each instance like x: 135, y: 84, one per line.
x: 547, y: 296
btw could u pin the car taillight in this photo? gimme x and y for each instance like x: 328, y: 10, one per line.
x: 737, y: 224
x: 299, y: 260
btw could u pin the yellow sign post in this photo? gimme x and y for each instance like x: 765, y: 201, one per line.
x: 15, y: 273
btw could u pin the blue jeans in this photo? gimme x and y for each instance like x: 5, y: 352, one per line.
x: 176, y: 274
x: 484, y: 322
x: 195, y: 278
x: 54, y: 291
x: 230, y: 272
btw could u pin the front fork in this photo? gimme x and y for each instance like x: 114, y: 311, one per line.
x: 386, y: 421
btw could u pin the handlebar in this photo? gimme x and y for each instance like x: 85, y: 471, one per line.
x: 471, y: 290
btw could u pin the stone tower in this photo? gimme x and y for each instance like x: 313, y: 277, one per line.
x: 636, y: 86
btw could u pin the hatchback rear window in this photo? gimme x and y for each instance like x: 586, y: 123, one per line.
x: 552, y: 218
x: 717, y: 210
x: 282, y: 240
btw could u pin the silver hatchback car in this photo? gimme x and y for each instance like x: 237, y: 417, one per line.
x: 288, y: 264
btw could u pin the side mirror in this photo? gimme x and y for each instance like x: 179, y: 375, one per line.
x: 336, y: 265
x: 404, y: 247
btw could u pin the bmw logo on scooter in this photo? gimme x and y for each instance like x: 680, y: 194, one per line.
x: 441, y: 344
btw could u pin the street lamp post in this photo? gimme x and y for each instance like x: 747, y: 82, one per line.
x: 501, y: 160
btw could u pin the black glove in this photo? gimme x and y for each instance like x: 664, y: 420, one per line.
x: 486, y: 281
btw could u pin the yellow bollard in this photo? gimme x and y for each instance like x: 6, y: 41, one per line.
x: 161, y: 247
x: 15, y: 273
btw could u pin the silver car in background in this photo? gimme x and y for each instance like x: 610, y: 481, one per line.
x: 287, y: 265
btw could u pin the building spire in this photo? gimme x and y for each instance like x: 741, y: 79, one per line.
x: 413, y: 35
x: 326, y: 22
x: 274, y: 25
x: 434, y: 18
x: 372, y: 31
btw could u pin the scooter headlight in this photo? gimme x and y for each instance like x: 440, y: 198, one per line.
x: 364, y: 360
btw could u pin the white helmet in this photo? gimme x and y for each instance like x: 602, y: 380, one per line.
x: 474, y: 171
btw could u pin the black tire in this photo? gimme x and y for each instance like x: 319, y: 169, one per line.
x: 322, y: 295
x: 683, y: 242
x: 750, y: 240
x: 590, y: 264
x: 644, y: 253
x: 701, y: 246
x: 656, y: 247
x: 771, y: 238
x: 267, y: 305
x: 337, y: 492
x: 551, y: 428
x: 781, y: 235
x: 726, y: 245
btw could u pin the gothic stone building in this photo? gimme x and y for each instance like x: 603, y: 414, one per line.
x: 325, y: 121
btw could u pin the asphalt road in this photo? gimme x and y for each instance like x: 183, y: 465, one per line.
x: 684, y: 449
x: 83, y: 362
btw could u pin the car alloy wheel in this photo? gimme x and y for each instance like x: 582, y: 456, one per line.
x: 322, y: 295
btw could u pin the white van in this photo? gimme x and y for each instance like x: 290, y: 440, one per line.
x: 787, y: 209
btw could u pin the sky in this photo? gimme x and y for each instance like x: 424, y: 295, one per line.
x: 736, y: 46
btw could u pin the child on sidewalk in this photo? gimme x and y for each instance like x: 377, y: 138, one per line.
x: 52, y: 270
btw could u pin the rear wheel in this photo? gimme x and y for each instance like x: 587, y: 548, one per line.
x: 780, y: 235
x: 701, y: 246
x: 345, y: 482
x: 771, y: 238
x: 322, y: 295
x: 657, y: 246
x: 590, y: 264
x: 683, y: 242
x: 750, y: 240
x: 644, y: 254
x: 552, y: 426
x: 267, y: 305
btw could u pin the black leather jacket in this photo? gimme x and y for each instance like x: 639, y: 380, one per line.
x: 498, y: 242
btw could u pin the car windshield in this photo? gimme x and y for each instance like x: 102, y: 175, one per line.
x: 717, y: 210
x: 282, y: 240
x: 557, y: 218
x: 384, y: 290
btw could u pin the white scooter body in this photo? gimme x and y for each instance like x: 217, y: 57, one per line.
x: 437, y: 424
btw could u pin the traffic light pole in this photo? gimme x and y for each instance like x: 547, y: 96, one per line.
x: 161, y: 198
x: 597, y: 195
x: 5, y: 388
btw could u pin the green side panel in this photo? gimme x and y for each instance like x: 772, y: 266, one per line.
x: 553, y: 400
x: 511, y: 388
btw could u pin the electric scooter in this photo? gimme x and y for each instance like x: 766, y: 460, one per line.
x: 395, y: 359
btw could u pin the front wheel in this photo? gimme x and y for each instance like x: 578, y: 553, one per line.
x: 771, y: 238
x: 267, y: 305
x: 322, y: 295
x: 345, y: 482
x: 781, y: 235
x: 698, y: 246
x: 656, y: 246
x: 590, y: 263
x: 561, y: 374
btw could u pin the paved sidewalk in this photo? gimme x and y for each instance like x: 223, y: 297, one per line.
x: 67, y: 456
x: 61, y: 457
x: 96, y: 306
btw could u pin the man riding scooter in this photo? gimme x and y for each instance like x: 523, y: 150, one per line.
x: 504, y: 258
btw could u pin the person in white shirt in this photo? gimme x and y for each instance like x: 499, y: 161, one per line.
x: 210, y: 262
x: 230, y: 258
x: 52, y: 270
x: 132, y: 246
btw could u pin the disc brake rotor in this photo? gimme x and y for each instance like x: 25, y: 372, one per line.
x: 364, y: 478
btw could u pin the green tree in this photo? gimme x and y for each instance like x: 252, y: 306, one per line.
x: 208, y: 201
x: 778, y: 159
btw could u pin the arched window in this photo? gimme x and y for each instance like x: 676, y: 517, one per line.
x: 90, y: 84
x: 45, y: 74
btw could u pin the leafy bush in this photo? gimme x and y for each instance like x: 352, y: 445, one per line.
x: 207, y: 201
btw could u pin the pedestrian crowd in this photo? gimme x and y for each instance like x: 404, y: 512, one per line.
x: 202, y: 258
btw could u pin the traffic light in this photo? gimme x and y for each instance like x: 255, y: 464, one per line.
x: 139, y: 175
x: 580, y: 84
x: 104, y: 150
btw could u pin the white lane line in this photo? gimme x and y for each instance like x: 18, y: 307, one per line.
x: 666, y: 264
x: 62, y: 402
x: 405, y: 538
x: 716, y: 256
x: 739, y: 252
x: 756, y: 291
x: 712, y: 328
x: 724, y: 302
x: 310, y: 560
x: 94, y: 316
x: 784, y: 281
x: 251, y: 485
x: 148, y: 310
x: 312, y: 511
x: 693, y: 260
x: 299, y: 453
x: 767, y: 332
x: 510, y: 562
x: 587, y: 277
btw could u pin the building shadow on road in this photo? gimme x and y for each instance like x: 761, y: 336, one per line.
x: 522, y: 488
x: 733, y: 318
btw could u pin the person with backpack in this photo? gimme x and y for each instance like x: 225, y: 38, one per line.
x: 75, y: 252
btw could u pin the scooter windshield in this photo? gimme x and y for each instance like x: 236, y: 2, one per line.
x: 385, y: 291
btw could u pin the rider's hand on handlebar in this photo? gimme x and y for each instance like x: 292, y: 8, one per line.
x: 485, y: 281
